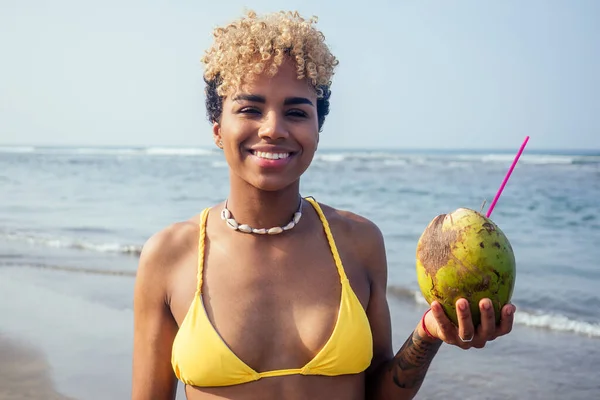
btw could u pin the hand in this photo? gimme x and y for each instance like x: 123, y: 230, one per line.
x: 465, y: 335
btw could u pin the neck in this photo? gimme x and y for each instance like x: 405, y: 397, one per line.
x: 263, y: 209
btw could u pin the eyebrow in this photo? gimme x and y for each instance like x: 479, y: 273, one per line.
x: 261, y: 99
x: 250, y: 97
x: 297, y: 100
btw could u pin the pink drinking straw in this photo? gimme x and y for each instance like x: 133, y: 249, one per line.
x: 507, y: 176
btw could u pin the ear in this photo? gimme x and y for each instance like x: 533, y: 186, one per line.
x: 217, y: 135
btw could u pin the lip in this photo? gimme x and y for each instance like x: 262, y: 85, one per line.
x: 271, y: 149
x: 269, y: 163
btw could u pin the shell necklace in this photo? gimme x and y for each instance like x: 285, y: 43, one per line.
x: 245, y: 228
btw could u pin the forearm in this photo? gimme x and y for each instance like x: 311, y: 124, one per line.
x: 401, y: 377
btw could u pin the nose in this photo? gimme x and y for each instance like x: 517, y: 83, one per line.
x: 272, y: 127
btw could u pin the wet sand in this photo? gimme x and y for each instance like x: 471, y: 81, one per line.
x: 24, y: 373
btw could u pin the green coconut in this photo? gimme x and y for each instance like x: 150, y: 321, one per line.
x: 465, y: 255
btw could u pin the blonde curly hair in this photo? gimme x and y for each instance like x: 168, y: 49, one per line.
x: 254, y: 45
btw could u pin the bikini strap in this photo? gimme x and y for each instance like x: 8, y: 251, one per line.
x: 332, y: 246
x: 201, y: 245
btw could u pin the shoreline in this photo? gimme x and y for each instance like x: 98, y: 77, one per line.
x: 25, y: 373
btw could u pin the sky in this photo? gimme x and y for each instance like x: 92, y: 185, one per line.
x: 412, y: 74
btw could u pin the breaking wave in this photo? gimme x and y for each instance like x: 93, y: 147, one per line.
x: 108, y: 151
x: 17, y: 149
x: 557, y: 322
x: 531, y: 318
x: 168, y: 151
x: 455, y: 160
x: 69, y: 243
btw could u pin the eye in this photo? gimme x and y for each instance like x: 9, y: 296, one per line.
x: 249, y: 110
x: 297, y: 113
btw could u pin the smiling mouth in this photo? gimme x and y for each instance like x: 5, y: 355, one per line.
x: 270, y: 156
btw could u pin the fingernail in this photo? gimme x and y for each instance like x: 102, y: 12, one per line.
x: 462, y: 305
x: 487, y: 305
x: 509, y: 312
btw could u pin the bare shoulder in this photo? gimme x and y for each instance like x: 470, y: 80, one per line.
x: 359, y: 235
x: 163, y: 250
x: 169, y: 243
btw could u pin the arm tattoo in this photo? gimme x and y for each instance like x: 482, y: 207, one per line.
x: 410, y: 364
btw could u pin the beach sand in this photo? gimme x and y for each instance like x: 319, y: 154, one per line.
x: 80, y: 325
x: 24, y: 373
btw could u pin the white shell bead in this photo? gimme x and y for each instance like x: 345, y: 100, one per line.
x: 233, y: 224
x: 244, y: 228
x: 225, y: 214
x: 297, y: 216
x: 289, y: 226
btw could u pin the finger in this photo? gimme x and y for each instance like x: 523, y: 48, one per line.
x: 445, y: 327
x: 487, y: 329
x: 506, y: 322
x: 466, y: 332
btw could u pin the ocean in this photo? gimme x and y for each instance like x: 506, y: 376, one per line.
x: 73, y: 221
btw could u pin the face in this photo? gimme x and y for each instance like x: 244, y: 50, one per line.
x: 269, y: 130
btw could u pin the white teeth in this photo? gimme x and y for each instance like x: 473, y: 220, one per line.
x: 270, y: 156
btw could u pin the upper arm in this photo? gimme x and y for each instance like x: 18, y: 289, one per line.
x: 154, y: 325
x: 378, y: 312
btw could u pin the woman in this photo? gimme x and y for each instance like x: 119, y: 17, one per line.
x: 270, y: 295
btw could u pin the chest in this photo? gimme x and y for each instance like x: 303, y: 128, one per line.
x: 274, y: 306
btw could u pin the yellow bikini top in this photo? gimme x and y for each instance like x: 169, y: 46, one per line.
x: 200, y: 357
